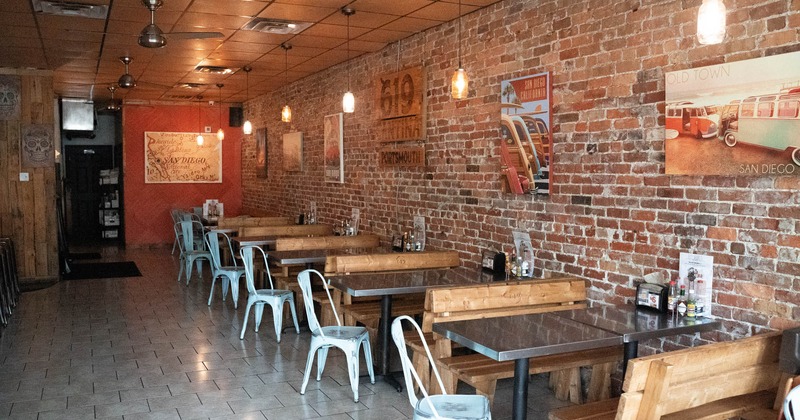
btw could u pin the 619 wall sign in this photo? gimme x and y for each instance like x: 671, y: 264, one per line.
x: 400, y: 109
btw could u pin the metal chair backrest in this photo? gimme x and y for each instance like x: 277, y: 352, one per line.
x: 791, y: 404
x: 304, y: 280
x: 249, y: 269
x: 188, y: 230
x: 408, y: 369
x: 212, y: 242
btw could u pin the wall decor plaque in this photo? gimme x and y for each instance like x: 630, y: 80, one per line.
x: 402, y: 157
x: 176, y: 158
x: 400, y: 105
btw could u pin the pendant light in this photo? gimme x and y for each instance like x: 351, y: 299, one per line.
x: 199, y: 138
x: 348, y: 101
x: 220, y: 133
x: 711, y: 22
x: 286, y: 112
x: 247, y: 127
x: 459, y: 86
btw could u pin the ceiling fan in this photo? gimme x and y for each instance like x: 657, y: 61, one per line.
x: 153, y: 37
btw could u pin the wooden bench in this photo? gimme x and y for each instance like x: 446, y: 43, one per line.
x: 287, y: 278
x: 489, y: 300
x: 327, y: 242
x: 367, y: 310
x: 286, y: 230
x: 240, y: 222
x: 396, y: 261
x: 254, y: 212
x: 713, y: 381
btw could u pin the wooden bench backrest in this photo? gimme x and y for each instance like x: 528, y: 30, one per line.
x: 253, y: 212
x: 286, y: 230
x: 489, y: 300
x: 367, y: 263
x: 327, y: 242
x: 678, y: 380
x: 239, y: 222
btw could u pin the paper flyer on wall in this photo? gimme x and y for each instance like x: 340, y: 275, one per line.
x: 524, y: 250
x: 419, y: 233
x: 694, y: 267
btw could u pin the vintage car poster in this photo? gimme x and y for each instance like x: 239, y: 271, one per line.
x: 334, y: 147
x: 262, y: 156
x: 176, y: 158
x: 736, y: 118
x: 526, y: 142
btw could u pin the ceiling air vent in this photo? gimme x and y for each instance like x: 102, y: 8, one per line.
x: 190, y: 85
x: 276, y: 26
x: 213, y: 69
x: 178, y: 97
x: 61, y: 8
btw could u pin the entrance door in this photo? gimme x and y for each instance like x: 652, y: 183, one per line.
x: 83, y: 190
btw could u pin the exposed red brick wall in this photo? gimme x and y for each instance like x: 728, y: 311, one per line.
x: 613, y: 216
x: 147, y: 206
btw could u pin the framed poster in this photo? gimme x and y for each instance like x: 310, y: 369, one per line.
x: 738, y: 118
x: 10, y: 99
x: 37, y: 146
x: 334, y: 147
x: 293, y: 151
x: 526, y: 140
x: 261, y: 153
x: 176, y: 158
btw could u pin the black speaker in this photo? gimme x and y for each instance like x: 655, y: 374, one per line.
x: 235, y: 116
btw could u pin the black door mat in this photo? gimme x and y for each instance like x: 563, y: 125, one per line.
x: 85, y: 256
x: 104, y: 270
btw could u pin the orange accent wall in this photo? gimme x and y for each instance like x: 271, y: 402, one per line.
x: 147, y: 206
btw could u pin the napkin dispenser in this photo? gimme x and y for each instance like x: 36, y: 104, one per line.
x: 652, y: 293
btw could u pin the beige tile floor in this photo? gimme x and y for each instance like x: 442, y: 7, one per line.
x: 151, y: 348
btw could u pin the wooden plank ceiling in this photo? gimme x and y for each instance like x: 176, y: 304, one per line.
x: 84, y: 53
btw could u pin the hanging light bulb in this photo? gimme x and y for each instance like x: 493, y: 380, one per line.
x: 199, y: 137
x: 286, y: 112
x: 247, y: 127
x: 711, y: 22
x: 459, y: 86
x: 348, y: 100
x: 220, y: 133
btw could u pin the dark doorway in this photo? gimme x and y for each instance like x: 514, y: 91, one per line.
x: 83, y: 166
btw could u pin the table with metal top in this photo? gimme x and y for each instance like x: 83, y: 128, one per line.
x: 388, y: 284
x: 311, y: 257
x: 268, y: 241
x: 638, y: 324
x: 521, y: 337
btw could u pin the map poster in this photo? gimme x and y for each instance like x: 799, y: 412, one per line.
x: 176, y: 158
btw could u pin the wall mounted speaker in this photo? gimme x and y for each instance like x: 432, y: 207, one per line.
x: 235, y: 116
